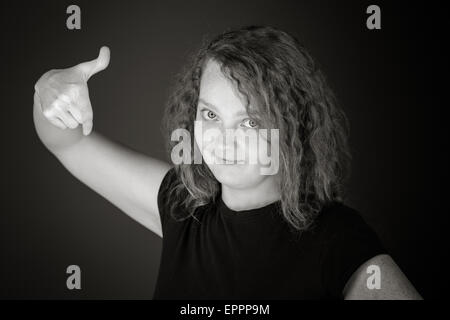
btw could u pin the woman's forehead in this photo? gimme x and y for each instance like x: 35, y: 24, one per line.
x: 219, y: 91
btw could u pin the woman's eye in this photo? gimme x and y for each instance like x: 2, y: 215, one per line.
x: 250, y: 123
x: 209, y: 115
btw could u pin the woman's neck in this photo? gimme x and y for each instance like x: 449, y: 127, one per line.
x: 247, y: 199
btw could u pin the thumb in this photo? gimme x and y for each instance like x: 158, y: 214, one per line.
x: 87, y: 127
x: 89, y: 68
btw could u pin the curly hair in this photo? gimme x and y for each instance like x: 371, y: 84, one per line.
x: 286, y: 90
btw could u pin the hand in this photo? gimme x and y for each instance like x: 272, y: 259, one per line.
x: 63, y: 94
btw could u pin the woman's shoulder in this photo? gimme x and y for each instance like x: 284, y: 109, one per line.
x: 170, y: 180
x: 339, y: 219
x: 170, y: 177
x: 336, y: 211
x: 348, y: 242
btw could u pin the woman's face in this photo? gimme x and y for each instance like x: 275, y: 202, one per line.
x: 220, y: 112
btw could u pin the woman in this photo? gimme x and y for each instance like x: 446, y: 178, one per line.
x: 232, y: 228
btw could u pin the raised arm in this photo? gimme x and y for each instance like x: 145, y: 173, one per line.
x: 128, y: 179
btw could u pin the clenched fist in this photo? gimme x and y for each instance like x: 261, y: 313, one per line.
x: 63, y: 96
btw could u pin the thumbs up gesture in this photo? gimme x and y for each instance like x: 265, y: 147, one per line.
x: 63, y: 95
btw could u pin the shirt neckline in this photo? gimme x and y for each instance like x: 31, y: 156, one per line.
x: 265, y: 210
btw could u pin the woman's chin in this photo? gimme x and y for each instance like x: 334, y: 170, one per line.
x: 233, y: 175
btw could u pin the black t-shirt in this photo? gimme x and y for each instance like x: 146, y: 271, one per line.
x: 252, y: 254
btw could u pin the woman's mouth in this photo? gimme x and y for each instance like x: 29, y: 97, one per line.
x: 228, y: 161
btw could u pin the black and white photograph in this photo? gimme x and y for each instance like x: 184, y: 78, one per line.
x: 224, y: 151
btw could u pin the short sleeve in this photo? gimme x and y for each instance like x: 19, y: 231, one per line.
x: 165, y: 188
x: 350, y: 243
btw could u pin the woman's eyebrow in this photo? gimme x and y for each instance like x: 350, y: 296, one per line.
x: 217, y: 109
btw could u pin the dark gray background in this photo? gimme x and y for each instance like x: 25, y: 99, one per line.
x: 387, y: 81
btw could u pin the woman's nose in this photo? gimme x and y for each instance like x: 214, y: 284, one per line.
x: 226, y: 140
